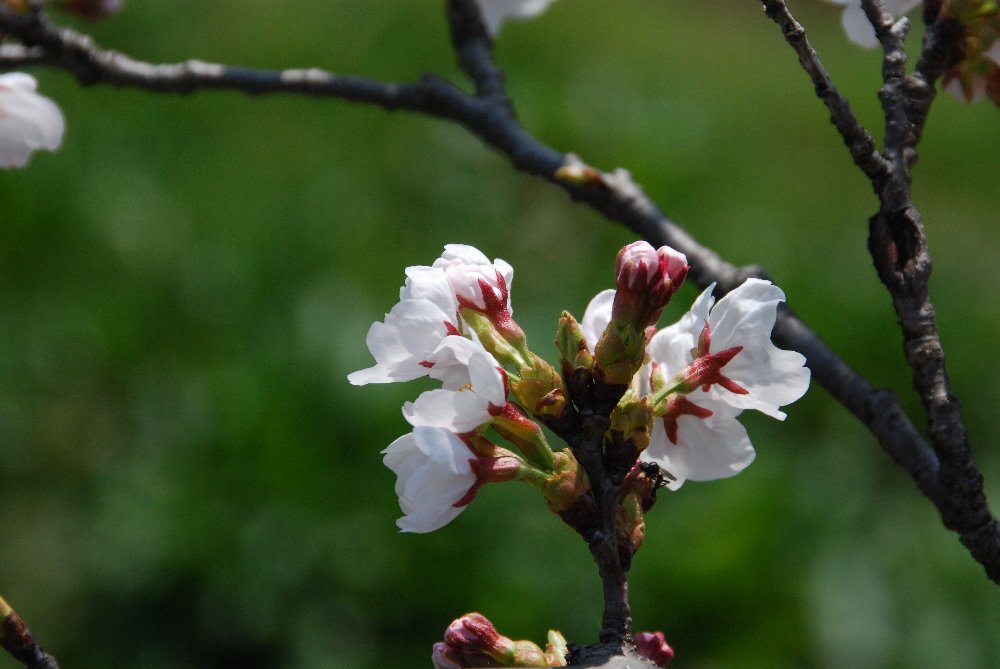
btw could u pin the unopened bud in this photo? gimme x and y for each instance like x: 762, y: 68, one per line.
x: 653, y: 646
x: 474, y: 633
x: 567, y: 485
x: 645, y: 280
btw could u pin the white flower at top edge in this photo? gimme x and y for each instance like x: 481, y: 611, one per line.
x: 28, y: 121
x: 495, y: 12
x: 434, y: 472
x: 474, y: 386
x: 856, y: 24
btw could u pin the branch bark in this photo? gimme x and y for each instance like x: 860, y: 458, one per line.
x: 898, y: 246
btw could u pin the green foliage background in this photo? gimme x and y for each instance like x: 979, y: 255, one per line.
x: 189, y: 480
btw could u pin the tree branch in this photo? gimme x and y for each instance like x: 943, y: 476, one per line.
x: 898, y: 245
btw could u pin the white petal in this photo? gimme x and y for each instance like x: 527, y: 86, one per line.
x: 28, y: 121
x: 857, y: 26
x: 463, y: 254
x: 597, y: 316
x: 412, y: 330
x: 430, y: 283
x: 774, y: 377
x: 707, y: 448
x: 458, y: 411
x: 495, y: 12
x: 433, y: 473
x: 993, y: 53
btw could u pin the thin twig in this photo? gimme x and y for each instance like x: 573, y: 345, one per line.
x: 857, y: 139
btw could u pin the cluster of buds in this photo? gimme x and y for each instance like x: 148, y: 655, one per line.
x: 473, y: 641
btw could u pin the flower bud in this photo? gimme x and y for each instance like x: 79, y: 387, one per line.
x: 653, y: 646
x: 573, y: 350
x: 473, y: 641
x: 556, y: 649
x: 646, y: 279
x: 568, y: 484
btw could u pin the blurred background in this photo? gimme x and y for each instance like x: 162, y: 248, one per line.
x: 188, y: 480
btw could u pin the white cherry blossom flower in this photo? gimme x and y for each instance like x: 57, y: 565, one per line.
x: 745, y: 317
x: 474, y: 388
x: 495, y: 12
x: 434, y: 475
x: 402, y: 343
x: 470, y: 272
x: 28, y: 121
x: 856, y: 24
x: 699, y: 438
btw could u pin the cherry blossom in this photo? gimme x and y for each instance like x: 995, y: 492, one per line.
x: 856, y: 24
x: 696, y: 435
x: 434, y: 470
x: 743, y: 318
x: 474, y: 389
x: 427, y: 312
x: 475, y: 281
x: 28, y: 121
x: 495, y: 12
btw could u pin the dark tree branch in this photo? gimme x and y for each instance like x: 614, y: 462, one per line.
x: 474, y: 49
x: 615, y: 195
x: 17, y: 640
x: 898, y: 245
x: 857, y: 139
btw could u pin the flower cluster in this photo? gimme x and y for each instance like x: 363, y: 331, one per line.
x: 473, y: 641
x: 452, y: 323
x: 675, y: 394
x: 705, y: 369
x: 977, y: 24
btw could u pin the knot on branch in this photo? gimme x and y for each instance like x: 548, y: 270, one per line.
x: 897, y: 246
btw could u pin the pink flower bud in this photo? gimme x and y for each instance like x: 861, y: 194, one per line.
x: 653, y: 646
x: 474, y: 633
x: 646, y: 279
